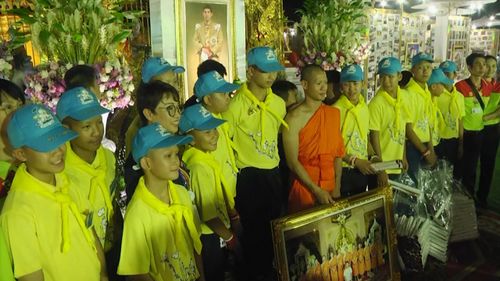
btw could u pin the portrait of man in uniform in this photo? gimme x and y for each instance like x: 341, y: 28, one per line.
x: 208, y: 36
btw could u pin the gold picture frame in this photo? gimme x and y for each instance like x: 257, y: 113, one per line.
x: 310, y: 244
x: 189, y: 19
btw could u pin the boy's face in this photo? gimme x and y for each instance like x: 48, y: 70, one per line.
x: 451, y: 75
x: 316, y: 87
x: 167, y: 113
x: 478, y: 67
x: 262, y: 79
x: 8, y: 105
x: 163, y: 163
x: 351, y: 90
x: 90, y: 133
x: 436, y: 89
x: 218, y: 102
x: 168, y: 77
x: 205, y: 140
x: 207, y: 14
x: 491, y: 68
x: 42, y: 164
x: 422, y: 71
x: 389, y: 82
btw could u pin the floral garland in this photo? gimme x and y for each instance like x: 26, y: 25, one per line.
x: 47, y: 85
x: 335, y: 60
x: 6, y: 60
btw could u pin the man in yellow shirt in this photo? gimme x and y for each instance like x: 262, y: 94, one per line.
x: 161, y: 236
x: 388, y: 117
x: 354, y: 120
x: 254, y: 117
x: 90, y: 166
x: 451, y: 105
x: 44, y: 229
x: 418, y: 130
x: 436, y: 84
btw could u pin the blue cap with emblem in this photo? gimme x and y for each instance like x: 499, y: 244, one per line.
x: 389, y: 66
x: 154, y: 136
x: 36, y: 127
x: 79, y: 104
x: 438, y: 76
x: 352, y: 72
x: 448, y: 66
x: 156, y: 66
x: 265, y: 59
x: 211, y: 82
x: 196, y: 117
x: 420, y: 57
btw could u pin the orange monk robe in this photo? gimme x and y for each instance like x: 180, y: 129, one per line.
x: 320, y: 142
x: 354, y: 262
x: 368, y: 261
x: 340, y: 267
x: 325, y: 270
x: 361, y: 262
x: 333, y: 269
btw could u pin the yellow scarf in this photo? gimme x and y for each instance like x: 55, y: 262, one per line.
x: 230, y: 144
x: 98, y: 181
x: 397, y: 104
x: 352, y: 114
x: 180, y: 216
x: 26, y: 182
x: 437, y: 123
x: 454, y: 107
x: 194, y: 155
x: 263, y: 108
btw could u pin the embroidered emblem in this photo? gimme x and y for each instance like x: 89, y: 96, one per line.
x: 217, y: 76
x: 270, y: 55
x: 43, y: 118
x: 162, y: 131
x: 351, y: 70
x: 204, y: 112
x: 85, y: 97
x: 387, y: 63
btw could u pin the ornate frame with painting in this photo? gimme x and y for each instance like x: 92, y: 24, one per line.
x: 411, y: 50
x: 205, y: 30
x: 354, y: 238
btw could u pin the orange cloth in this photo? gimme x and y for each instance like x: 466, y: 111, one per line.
x: 320, y: 142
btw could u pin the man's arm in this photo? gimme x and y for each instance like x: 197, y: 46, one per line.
x: 426, y: 151
x: 382, y: 178
x: 338, y: 177
x: 199, y: 265
x: 291, y: 147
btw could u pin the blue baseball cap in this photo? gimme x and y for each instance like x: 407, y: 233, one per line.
x: 420, y: 57
x: 197, y: 117
x: 156, y: 66
x: 211, y: 82
x: 155, y: 136
x: 438, y: 76
x: 352, y: 72
x: 389, y: 66
x: 448, y: 66
x: 80, y: 104
x: 265, y: 59
x: 36, y: 127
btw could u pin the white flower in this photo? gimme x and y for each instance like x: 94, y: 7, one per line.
x: 104, y: 78
x: 109, y: 94
x: 102, y: 87
x: 131, y: 87
x: 108, y: 67
x: 44, y: 74
x: 81, y: 62
x: 38, y: 87
x: 69, y: 66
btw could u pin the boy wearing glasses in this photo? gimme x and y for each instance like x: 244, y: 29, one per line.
x: 254, y: 117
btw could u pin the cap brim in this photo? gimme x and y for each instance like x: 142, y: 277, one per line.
x: 388, y: 72
x: 349, y: 78
x: 88, y: 113
x: 419, y: 61
x: 210, y: 124
x: 173, y: 140
x: 227, y: 88
x: 176, y: 68
x: 52, y: 139
x: 271, y: 67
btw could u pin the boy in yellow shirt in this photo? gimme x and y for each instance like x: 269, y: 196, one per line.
x: 213, y: 195
x: 255, y: 116
x: 436, y: 84
x: 354, y: 121
x: 451, y: 105
x: 161, y: 237
x: 89, y: 164
x: 213, y: 92
x: 44, y: 229
x: 418, y: 130
x: 388, y: 117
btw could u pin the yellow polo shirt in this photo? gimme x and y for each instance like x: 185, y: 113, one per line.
x: 207, y: 182
x: 354, y: 121
x: 6, y: 273
x: 451, y: 105
x: 224, y: 154
x: 160, y: 239
x: 492, y: 106
x: 389, y: 116
x: 34, y: 229
x: 420, y: 109
x: 254, y: 126
x: 94, y: 181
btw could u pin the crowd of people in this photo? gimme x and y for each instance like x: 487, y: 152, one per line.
x: 204, y: 179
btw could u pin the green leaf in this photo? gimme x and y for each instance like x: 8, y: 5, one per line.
x: 120, y: 36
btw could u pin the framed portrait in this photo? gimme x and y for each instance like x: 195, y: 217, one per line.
x: 354, y: 239
x: 411, y: 50
x: 458, y: 56
x: 205, y: 30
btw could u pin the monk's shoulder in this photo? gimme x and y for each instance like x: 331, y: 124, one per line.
x: 331, y: 110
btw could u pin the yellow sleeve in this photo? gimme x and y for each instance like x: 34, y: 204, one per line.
x: 6, y: 264
x: 461, y: 104
x: 135, y: 254
x: 375, y: 116
x: 203, y: 185
x: 231, y: 116
x: 21, y: 238
x: 110, y: 170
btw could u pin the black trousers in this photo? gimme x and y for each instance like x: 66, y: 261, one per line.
x: 213, y: 256
x: 447, y: 149
x: 473, y: 141
x: 354, y: 182
x: 258, y: 201
x: 491, y: 137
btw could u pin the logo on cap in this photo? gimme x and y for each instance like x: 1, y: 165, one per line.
x: 446, y: 64
x: 217, y: 76
x: 85, y: 97
x: 204, y: 112
x: 162, y: 131
x: 351, y: 69
x: 270, y: 55
x: 386, y: 63
x: 43, y: 118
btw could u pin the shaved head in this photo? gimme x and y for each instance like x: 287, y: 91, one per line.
x: 309, y: 71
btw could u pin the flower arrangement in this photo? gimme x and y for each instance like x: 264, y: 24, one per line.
x: 6, y: 60
x: 333, y: 31
x: 46, y: 84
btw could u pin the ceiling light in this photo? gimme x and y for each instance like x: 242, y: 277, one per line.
x: 489, y: 24
x: 383, y: 3
x: 492, y: 17
x: 432, y: 9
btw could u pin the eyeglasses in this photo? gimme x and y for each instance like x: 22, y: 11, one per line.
x: 172, y: 109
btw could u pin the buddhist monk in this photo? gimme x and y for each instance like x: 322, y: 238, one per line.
x: 333, y: 269
x: 313, y: 145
